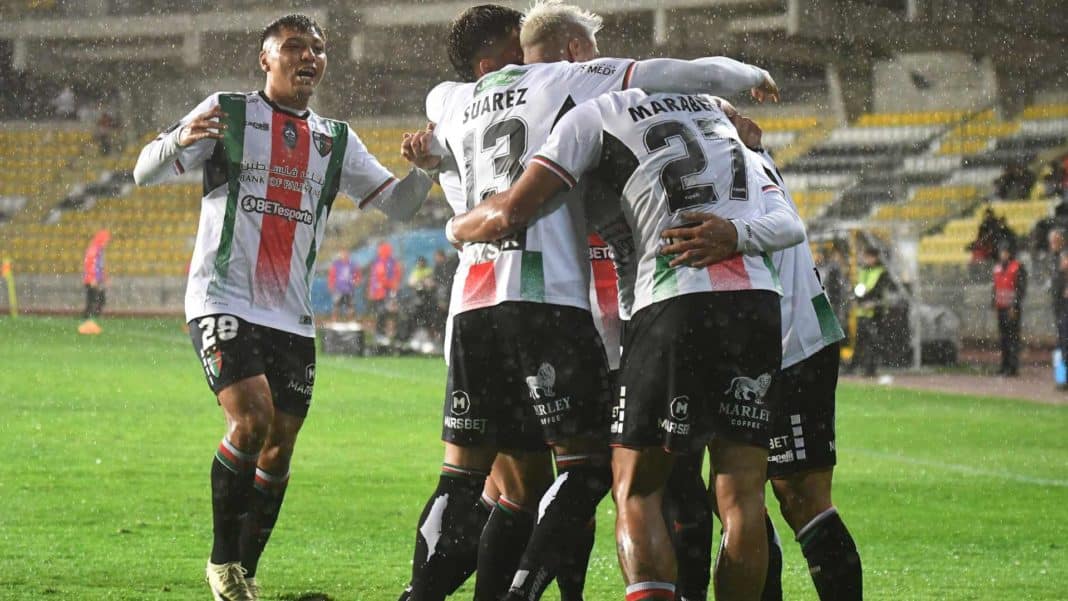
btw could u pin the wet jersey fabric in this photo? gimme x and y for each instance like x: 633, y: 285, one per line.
x: 663, y: 154
x: 269, y: 185
x: 491, y: 128
x: 604, y: 299
x: 808, y: 322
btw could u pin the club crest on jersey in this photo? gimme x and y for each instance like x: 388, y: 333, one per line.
x: 748, y: 389
x: 323, y: 143
x: 680, y: 408
x: 461, y: 403
x: 289, y: 134
x: 541, y: 385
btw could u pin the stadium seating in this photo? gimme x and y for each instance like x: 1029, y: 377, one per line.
x: 949, y: 247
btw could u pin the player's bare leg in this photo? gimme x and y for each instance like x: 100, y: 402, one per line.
x: 805, y: 502
x: 269, y: 489
x: 643, y: 544
x: 740, y: 472
x: 449, y: 526
x: 249, y: 411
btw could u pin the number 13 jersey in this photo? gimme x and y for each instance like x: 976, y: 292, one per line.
x: 491, y: 128
x: 664, y: 154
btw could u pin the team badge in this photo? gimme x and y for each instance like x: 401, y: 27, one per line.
x: 213, y: 363
x: 289, y: 134
x: 323, y: 143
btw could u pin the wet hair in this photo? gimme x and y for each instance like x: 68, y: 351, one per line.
x: 296, y: 22
x: 552, y: 19
x: 476, y: 29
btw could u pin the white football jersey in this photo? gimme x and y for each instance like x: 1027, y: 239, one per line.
x: 269, y: 185
x: 808, y: 322
x: 663, y: 154
x: 491, y: 128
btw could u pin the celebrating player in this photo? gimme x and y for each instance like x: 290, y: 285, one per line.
x: 802, y: 445
x: 532, y: 288
x: 702, y: 344
x: 272, y: 168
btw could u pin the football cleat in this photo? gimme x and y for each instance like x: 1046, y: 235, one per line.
x: 253, y: 588
x: 227, y: 582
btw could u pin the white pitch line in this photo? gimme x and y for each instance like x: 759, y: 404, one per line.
x: 960, y: 468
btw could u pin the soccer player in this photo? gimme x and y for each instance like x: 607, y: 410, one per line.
x: 272, y: 168
x: 531, y: 287
x: 802, y: 445
x: 702, y: 344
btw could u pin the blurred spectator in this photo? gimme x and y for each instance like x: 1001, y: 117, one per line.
x: 870, y: 292
x: 421, y: 281
x: 342, y: 279
x: 992, y: 231
x: 836, y: 282
x: 95, y: 280
x: 444, y: 270
x: 1014, y: 183
x: 107, y: 125
x: 383, y: 281
x: 1010, y: 287
x: 65, y: 104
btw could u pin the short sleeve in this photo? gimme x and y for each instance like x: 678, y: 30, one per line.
x: 574, y: 147
x: 362, y: 176
x: 593, y: 78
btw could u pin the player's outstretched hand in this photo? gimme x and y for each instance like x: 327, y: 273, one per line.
x: 204, y: 125
x: 712, y: 240
x: 415, y: 148
x: 767, y: 90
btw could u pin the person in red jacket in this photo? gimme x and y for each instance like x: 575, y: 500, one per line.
x: 383, y: 281
x: 95, y: 278
x: 1010, y: 287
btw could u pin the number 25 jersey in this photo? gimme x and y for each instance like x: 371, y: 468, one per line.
x: 491, y: 128
x: 665, y: 154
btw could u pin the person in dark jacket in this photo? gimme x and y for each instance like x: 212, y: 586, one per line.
x: 1010, y: 287
x: 870, y: 294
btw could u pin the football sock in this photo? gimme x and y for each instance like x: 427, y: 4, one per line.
x: 571, y: 578
x: 833, y: 561
x: 466, y: 563
x: 688, y: 514
x: 651, y: 591
x: 563, y: 518
x: 232, y: 472
x: 503, y: 540
x: 448, y: 533
x: 268, y: 491
x: 773, y: 581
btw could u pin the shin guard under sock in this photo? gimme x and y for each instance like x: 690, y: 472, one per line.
x: 504, y: 538
x: 232, y: 472
x: 268, y: 492
x: 571, y: 577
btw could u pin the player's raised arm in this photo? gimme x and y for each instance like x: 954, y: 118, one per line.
x: 183, y: 146
x: 717, y: 75
x: 366, y: 180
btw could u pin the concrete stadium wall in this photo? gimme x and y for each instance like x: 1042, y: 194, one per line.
x: 929, y: 81
x: 65, y: 293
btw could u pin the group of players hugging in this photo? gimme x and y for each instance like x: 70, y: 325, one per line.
x: 635, y: 288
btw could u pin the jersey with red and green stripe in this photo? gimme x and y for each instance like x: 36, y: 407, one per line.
x: 490, y: 129
x: 664, y: 155
x: 269, y: 185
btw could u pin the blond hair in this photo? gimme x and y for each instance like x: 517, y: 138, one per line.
x: 552, y: 19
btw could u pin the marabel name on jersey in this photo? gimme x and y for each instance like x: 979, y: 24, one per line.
x: 497, y: 101
x: 687, y: 104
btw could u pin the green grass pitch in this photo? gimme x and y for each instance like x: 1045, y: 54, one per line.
x: 105, y: 444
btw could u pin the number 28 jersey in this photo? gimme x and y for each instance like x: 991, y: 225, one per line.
x: 491, y: 128
x: 665, y: 154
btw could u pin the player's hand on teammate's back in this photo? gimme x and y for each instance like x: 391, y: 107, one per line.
x: 767, y: 90
x: 711, y: 240
x: 415, y: 148
x: 748, y: 131
x: 204, y: 125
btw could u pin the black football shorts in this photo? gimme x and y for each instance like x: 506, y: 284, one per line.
x: 802, y: 433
